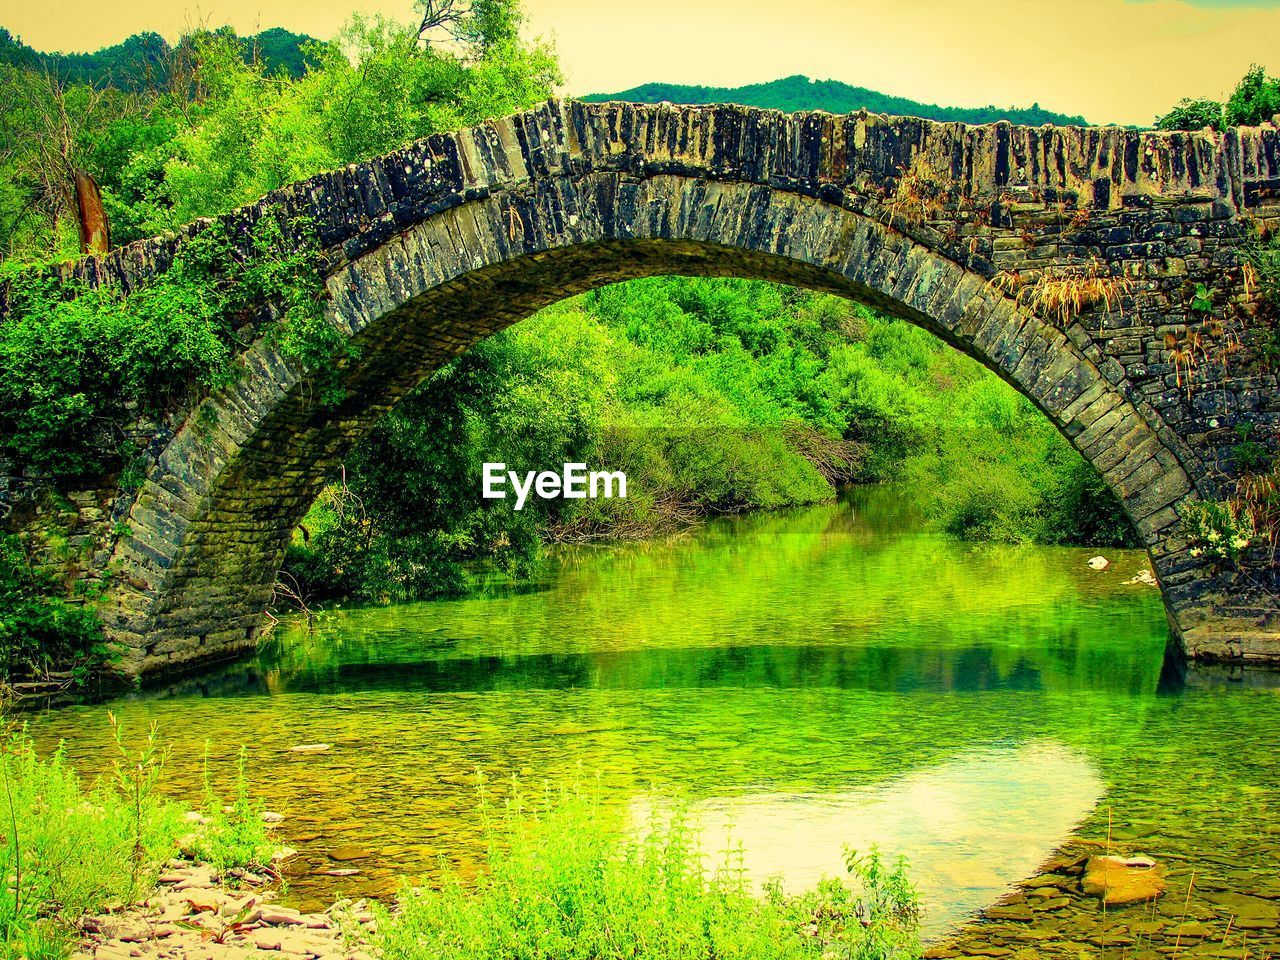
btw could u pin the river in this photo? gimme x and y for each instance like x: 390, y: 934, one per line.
x: 805, y: 680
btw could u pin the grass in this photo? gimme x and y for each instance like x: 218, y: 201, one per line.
x: 68, y: 848
x: 566, y: 880
x: 234, y: 835
x: 918, y: 194
x: 1061, y: 295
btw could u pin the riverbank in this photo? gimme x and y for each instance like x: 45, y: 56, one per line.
x: 565, y: 875
x: 1141, y: 908
x: 193, y: 915
x: 1148, y: 912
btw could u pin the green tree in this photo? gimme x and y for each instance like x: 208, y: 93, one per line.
x: 1192, y: 115
x: 1255, y: 100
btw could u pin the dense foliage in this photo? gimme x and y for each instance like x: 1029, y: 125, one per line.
x: 713, y: 396
x: 566, y: 879
x: 214, y: 130
x: 801, y: 93
x: 146, y: 60
x: 79, y: 363
x: 1255, y: 100
x: 171, y: 135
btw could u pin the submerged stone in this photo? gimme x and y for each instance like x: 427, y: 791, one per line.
x: 348, y: 852
x: 1117, y: 881
x: 1250, y: 912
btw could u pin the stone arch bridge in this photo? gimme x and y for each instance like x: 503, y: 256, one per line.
x: 952, y: 227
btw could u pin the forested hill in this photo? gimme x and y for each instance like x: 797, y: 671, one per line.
x: 144, y: 59
x: 801, y: 93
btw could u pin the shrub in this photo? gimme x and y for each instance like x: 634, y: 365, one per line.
x: 1255, y: 100
x: 76, y: 362
x: 1220, y: 531
x: 1192, y: 115
x: 67, y: 849
x: 997, y: 470
x: 40, y: 629
x: 564, y: 880
x: 234, y: 835
x: 713, y: 396
x: 1079, y: 508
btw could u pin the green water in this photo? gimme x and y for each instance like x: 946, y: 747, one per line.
x: 807, y: 679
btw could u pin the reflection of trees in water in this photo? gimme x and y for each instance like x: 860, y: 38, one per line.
x: 847, y: 595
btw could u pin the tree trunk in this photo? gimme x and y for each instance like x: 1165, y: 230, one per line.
x: 94, y: 238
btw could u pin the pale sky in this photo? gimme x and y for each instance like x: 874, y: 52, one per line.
x: 1111, y: 60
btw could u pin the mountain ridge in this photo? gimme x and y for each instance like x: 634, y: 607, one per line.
x: 136, y: 60
x: 799, y: 92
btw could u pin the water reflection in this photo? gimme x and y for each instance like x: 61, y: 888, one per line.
x: 903, y: 669
x: 853, y: 595
x: 969, y: 826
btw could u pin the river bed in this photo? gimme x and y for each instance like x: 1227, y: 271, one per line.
x: 806, y: 680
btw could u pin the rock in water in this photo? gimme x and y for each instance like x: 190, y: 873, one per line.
x: 349, y: 852
x: 1099, y: 563
x: 1118, y: 881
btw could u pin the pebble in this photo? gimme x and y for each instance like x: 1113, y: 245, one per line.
x: 1010, y: 912
x: 192, y: 917
x: 1118, y: 881
x: 281, y: 916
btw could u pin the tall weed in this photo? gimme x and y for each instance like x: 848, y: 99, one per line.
x: 567, y: 880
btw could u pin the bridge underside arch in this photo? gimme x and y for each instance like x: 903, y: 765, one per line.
x: 209, y: 526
